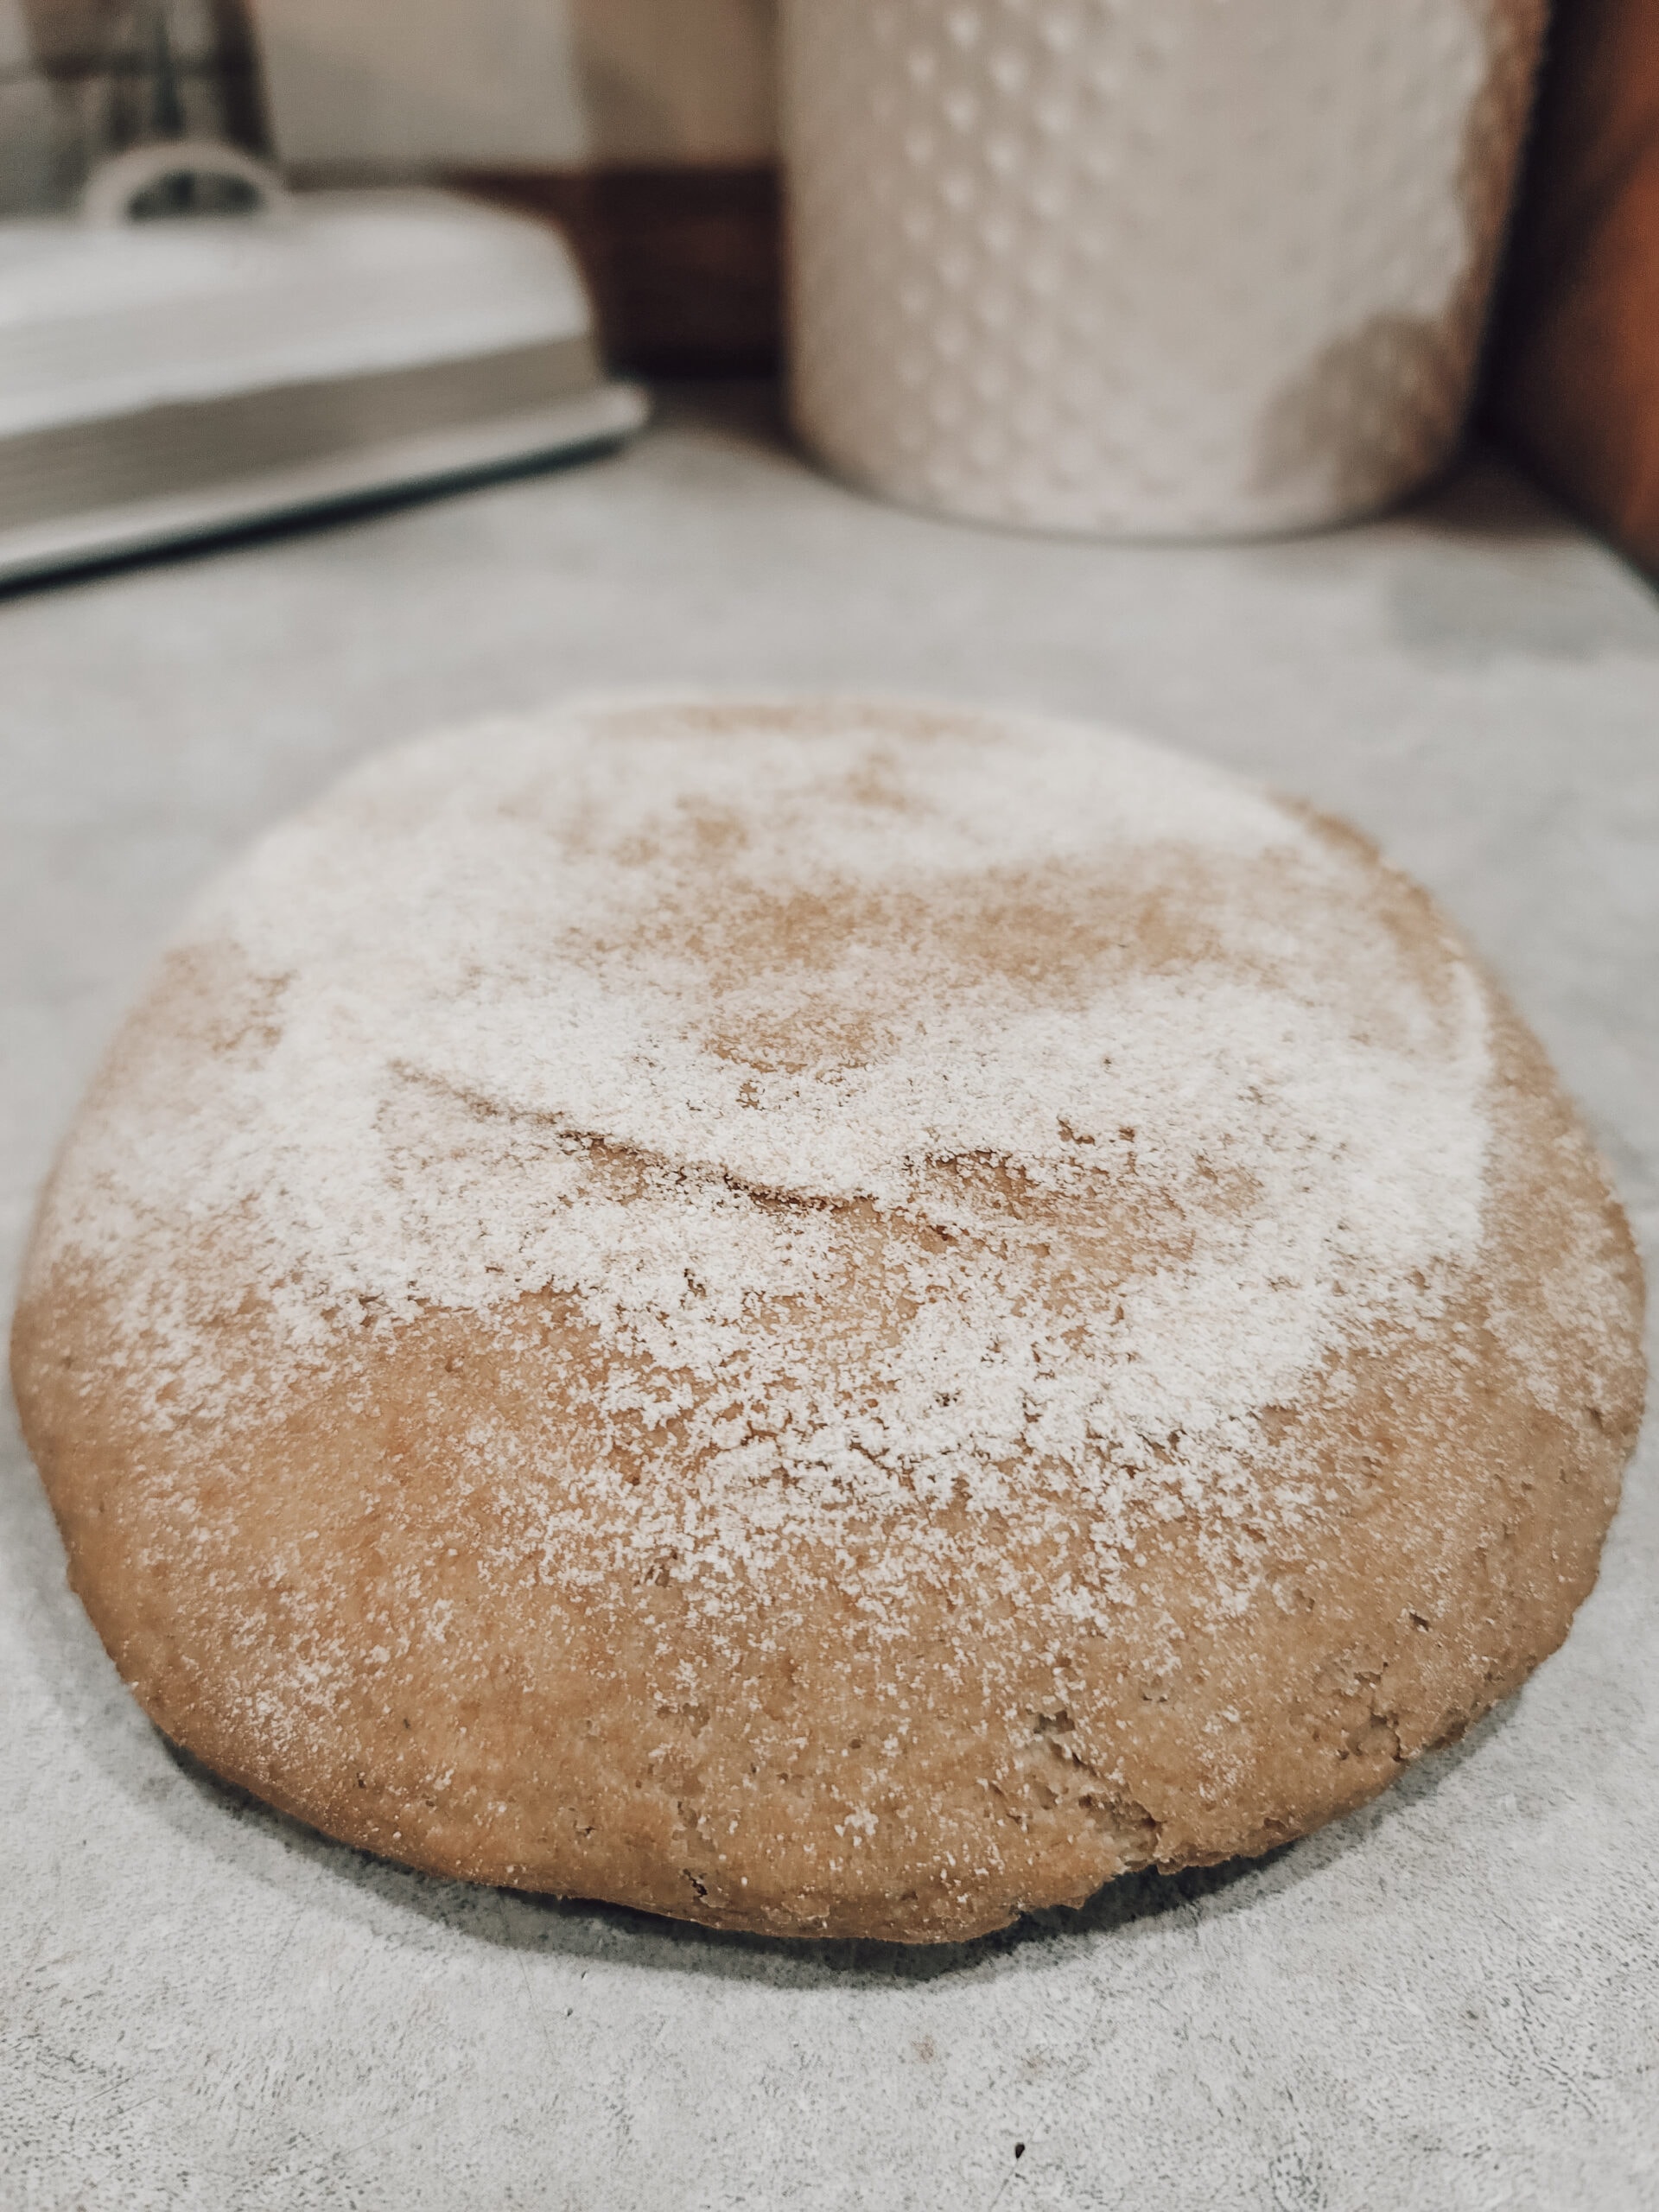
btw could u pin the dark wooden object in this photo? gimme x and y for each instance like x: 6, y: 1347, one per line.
x: 682, y: 260
x: 1574, y: 365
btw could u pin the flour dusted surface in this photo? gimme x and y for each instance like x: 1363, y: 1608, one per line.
x: 827, y: 1316
x: 624, y: 1003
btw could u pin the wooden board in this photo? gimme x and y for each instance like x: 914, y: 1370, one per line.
x: 1575, y: 357
x: 683, y: 259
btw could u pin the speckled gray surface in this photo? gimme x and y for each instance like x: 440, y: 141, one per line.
x: 1450, y: 2000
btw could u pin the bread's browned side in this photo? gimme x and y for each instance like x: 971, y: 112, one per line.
x: 325, y: 1603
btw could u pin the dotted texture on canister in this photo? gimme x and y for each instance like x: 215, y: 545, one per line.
x: 1148, y: 266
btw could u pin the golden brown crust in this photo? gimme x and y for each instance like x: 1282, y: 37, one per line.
x: 388, y: 1592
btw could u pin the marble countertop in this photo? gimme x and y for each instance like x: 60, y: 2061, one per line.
x: 1450, y: 2000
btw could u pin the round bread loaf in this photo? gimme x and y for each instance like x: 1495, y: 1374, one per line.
x: 823, y: 1318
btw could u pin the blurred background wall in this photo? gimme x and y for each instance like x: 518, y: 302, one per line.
x: 498, y: 83
x: 396, y: 86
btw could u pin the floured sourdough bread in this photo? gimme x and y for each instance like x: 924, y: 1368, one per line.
x: 823, y: 1317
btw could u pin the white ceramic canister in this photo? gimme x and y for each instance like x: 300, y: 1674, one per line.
x: 1159, y: 267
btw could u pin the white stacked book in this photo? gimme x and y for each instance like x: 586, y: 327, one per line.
x: 173, y: 378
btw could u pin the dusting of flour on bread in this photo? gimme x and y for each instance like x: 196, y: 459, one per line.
x: 625, y: 1003
x: 833, y: 1317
